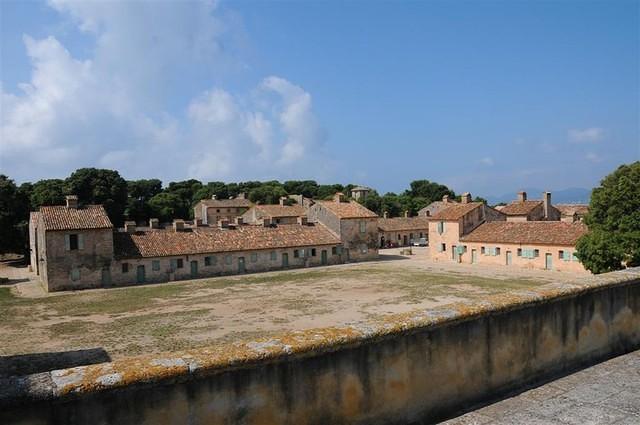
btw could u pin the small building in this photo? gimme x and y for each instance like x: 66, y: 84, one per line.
x: 571, y: 213
x: 277, y: 214
x: 355, y: 225
x: 360, y: 192
x: 524, y: 209
x: 210, y: 211
x: 402, y: 231
x: 436, y: 206
x: 548, y: 245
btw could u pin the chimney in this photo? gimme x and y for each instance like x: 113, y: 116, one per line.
x: 445, y: 198
x: 154, y: 223
x: 466, y: 198
x: 302, y: 220
x: 406, y: 214
x: 546, y: 205
x: 223, y: 224
x: 385, y: 214
x: 522, y: 196
x: 239, y: 221
x: 266, y: 222
x: 338, y: 197
x: 72, y: 201
x: 130, y: 226
x: 178, y: 225
x: 241, y: 195
x: 214, y: 197
x: 282, y: 199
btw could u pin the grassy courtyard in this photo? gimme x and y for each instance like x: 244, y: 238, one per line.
x: 179, y: 315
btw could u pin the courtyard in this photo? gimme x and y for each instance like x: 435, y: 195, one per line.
x: 189, y: 314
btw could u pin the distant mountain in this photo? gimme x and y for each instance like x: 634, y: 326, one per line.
x: 574, y: 195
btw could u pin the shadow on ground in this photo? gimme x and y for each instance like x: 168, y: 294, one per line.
x: 25, y: 364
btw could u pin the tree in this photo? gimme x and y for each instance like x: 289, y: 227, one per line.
x: 430, y: 191
x: 139, y: 194
x: 12, y: 220
x: 613, y: 241
x: 100, y: 186
x: 306, y: 188
x: 47, y: 192
x: 166, y: 206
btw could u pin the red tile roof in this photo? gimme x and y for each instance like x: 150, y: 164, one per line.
x: 520, y: 208
x: 60, y: 217
x: 527, y: 232
x: 456, y: 212
x: 161, y: 243
x: 281, y: 210
x: 399, y: 224
x: 349, y: 209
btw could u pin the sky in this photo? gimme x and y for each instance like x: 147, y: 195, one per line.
x: 483, y: 96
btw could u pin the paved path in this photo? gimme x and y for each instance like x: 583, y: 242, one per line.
x: 607, y: 393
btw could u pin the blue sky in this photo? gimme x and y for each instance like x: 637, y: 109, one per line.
x: 483, y: 96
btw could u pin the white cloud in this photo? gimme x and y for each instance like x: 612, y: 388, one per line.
x: 587, y: 135
x: 487, y: 161
x: 118, y: 107
x: 593, y: 157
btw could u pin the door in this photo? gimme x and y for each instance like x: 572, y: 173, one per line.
x: 140, y: 274
x: 404, y: 240
x: 548, y: 261
x: 474, y: 256
x: 194, y: 269
x: 106, y: 277
x: 323, y: 257
x: 508, y: 258
x: 241, y: 267
x: 453, y: 252
x: 285, y: 259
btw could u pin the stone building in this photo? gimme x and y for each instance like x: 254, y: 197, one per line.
x: 210, y: 211
x: 402, y: 231
x: 474, y: 233
x: 571, y: 213
x: 360, y: 192
x: 278, y: 214
x: 436, y: 206
x: 355, y: 225
x: 524, y: 209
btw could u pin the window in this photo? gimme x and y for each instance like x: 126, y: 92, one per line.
x: 218, y: 211
x: 180, y: 263
x: 443, y: 247
x: 561, y: 255
x: 227, y: 259
x: 125, y: 267
x: 421, y: 235
x: 173, y: 264
x: 399, y: 237
x: 566, y: 255
x: 313, y: 252
x: 536, y: 252
x: 519, y: 252
x: 440, y: 227
x: 334, y: 250
x: 410, y: 236
x: 207, y: 261
x: 254, y: 257
x: 574, y: 257
x: 482, y: 250
x: 363, y: 226
x: 155, y: 265
x: 296, y: 253
x: 75, y: 273
x: 73, y: 242
x: 497, y: 251
x: 274, y: 256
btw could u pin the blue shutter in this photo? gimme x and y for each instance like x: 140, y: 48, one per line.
x: 67, y: 243
x: 80, y: 241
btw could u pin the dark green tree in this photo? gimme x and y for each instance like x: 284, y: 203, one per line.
x: 12, y: 217
x: 306, y: 188
x: 47, y: 192
x: 613, y: 241
x: 166, y: 206
x: 326, y: 191
x: 100, y: 186
x: 140, y: 192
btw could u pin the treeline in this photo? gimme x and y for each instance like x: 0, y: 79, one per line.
x: 140, y: 200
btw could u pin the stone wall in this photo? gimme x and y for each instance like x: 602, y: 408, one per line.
x: 220, y: 264
x: 95, y: 254
x: 398, y: 238
x: 417, y: 367
x: 361, y: 246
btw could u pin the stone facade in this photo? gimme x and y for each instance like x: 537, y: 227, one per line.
x: 210, y: 211
x: 402, y: 231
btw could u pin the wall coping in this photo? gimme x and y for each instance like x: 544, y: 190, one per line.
x: 192, y: 364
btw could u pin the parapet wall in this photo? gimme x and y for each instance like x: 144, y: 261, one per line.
x: 410, y: 368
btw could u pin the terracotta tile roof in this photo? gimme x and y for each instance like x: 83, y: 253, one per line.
x: 527, y: 232
x: 520, y: 208
x: 570, y: 209
x: 437, y: 205
x: 403, y: 223
x: 350, y: 209
x: 281, y: 210
x: 456, y: 212
x: 161, y: 243
x: 226, y: 203
x: 59, y: 217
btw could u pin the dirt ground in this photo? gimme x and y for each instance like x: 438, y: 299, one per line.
x: 185, y: 314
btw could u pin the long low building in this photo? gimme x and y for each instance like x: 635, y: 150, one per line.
x: 76, y: 247
x: 402, y: 231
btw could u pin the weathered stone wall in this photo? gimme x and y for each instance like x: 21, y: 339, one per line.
x: 361, y: 246
x: 319, y: 214
x: 221, y: 264
x: 95, y: 254
x: 410, y: 368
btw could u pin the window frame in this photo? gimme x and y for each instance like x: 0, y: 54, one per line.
x: 155, y: 265
x: 125, y: 267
